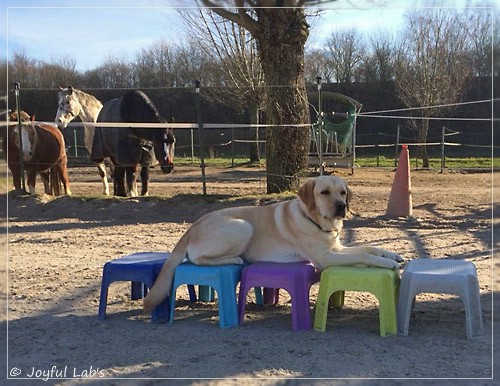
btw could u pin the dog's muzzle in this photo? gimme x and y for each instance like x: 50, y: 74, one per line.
x: 340, y: 209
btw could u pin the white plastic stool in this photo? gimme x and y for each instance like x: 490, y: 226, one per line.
x: 455, y: 277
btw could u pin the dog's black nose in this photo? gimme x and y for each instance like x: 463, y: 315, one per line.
x: 340, y: 208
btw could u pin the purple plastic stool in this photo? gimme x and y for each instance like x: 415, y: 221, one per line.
x: 295, y: 278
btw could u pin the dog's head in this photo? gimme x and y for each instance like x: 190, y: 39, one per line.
x: 326, y: 199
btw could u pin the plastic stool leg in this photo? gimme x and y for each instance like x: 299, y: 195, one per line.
x: 137, y: 290
x: 103, y: 299
x: 228, y: 309
x: 242, y: 300
x: 173, y: 293
x: 271, y: 295
x: 206, y: 293
x: 192, y: 293
x: 161, y: 313
x: 472, y: 303
x: 258, y: 296
x: 337, y: 299
x: 406, y: 301
x: 387, y: 308
x: 301, y: 312
x: 322, y: 304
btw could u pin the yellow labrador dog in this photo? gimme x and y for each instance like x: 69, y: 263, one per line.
x: 304, y: 229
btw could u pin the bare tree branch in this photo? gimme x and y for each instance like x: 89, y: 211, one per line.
x: 240, y: 17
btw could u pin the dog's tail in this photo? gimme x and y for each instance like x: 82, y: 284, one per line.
x: 163, y: 283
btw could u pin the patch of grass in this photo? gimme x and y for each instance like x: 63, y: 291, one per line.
x: 435, y: 163
x: 381, y: 161
x: 219, y: 162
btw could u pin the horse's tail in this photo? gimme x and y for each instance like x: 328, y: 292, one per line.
x: 163, y: 283
x: 55, y: 181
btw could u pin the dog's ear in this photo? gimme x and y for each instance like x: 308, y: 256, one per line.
x: 348, y: 197
x: 306, y: 194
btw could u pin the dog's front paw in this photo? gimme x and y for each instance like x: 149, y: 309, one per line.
x: 388, y: 263
x: 398, y: 266
x: 392, y: 264
x: 392, y: 256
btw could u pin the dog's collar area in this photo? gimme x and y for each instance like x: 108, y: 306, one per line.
x: 335, y: 232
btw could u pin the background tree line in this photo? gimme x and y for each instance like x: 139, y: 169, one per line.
x: 346, y: 56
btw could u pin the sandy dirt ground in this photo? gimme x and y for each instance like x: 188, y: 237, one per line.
x: 56, y: 249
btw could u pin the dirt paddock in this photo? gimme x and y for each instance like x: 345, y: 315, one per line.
x: 56, y: 248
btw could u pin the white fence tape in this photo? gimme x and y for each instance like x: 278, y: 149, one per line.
x: 149, y: 125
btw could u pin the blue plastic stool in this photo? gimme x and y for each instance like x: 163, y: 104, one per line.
x: 141, y: 269
x: 222, y: 278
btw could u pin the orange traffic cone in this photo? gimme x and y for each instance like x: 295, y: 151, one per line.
x: 400, y: 204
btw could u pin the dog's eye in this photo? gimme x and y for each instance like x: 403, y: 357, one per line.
x: 326, y: 192
x: 343, y: 193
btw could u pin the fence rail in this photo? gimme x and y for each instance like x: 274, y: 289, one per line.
x: 235, y: 147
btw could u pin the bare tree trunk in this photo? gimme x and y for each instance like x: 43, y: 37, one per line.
x: 253, y: 147
x: 281, y: 39
x: 422, y: 139
x: 281, y: 34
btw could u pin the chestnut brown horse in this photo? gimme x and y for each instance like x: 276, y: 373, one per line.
x: 43, y: 151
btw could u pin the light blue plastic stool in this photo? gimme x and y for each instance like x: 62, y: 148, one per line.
x: 222, y: 278
x: 455, y: 277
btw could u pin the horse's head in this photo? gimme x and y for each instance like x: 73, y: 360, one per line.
x: 164, y: 145
x: 69, y: 107
x: 25, y: 117
x: 28, y: 135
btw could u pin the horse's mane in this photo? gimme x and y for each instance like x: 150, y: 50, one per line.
x: 87, y: 96
x: 81, y: 95
x: 137, y: 107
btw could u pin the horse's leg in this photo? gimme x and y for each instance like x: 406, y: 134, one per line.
x: 119, y: 181
x: 144, y: 180
x: 102, y: 172
x: 147, y: 159
x: 131, y: 181
x: 55, y: 180
x: 31, y: 177
x: 111, y: 166
x: 46, y: 182
x: 15, y: 169
x: 63, y: 175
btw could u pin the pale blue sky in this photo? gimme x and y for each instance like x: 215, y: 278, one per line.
x: 91, y: 31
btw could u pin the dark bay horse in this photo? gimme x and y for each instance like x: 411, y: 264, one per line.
x: 124, y: 145
x: 43, y: 152
x: 74, y: 103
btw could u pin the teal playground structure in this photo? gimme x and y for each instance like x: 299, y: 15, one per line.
x: 333, y: 133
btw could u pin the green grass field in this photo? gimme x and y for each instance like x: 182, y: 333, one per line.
x: 435, y: 163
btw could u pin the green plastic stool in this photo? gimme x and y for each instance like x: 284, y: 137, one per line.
x: 381, y: 282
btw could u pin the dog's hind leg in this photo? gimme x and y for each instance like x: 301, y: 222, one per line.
x: 223, y: 244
